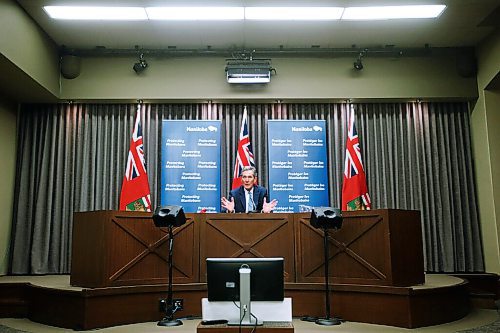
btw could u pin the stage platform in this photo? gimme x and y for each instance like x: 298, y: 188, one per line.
x: 51, y: 300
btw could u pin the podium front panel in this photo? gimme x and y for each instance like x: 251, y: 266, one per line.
x: 252, y: 235
x: 377, y: 247
x: 115, y: 248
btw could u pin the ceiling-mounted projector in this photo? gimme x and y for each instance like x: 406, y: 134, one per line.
x: 249, y: 71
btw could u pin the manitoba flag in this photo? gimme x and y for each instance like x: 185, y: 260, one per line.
x: 354, y: 189
x: 244, y: 155
x: 135, y: 193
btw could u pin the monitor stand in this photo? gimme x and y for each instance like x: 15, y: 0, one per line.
x: 245, y: 300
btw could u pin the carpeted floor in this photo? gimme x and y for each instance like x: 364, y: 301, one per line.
x: 478, y: 321
x: 491, y: 328
x: 6, y: 329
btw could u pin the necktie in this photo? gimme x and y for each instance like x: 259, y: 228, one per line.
x: 250, y: 203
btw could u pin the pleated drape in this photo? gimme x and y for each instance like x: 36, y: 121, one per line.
x: 419, y: 156
x: 72, y: 158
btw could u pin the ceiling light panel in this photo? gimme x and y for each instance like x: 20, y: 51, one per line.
x: 241, y: 13
x: 293, y: 13
x: 392, y: 12
x: 195, y: 13
x: 95, y: 13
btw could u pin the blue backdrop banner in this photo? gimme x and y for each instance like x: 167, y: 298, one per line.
x: 298, y: 174
x: 190, y: 158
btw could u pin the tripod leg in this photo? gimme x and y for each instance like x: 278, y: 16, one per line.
x: 169, y: 318
x: 327, y: 321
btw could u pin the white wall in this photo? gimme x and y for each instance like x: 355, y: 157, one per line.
x: 297, y: 79
x: 28, y: 47
x: 485, y: 120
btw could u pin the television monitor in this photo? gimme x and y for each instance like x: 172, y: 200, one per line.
x: 266, y: 278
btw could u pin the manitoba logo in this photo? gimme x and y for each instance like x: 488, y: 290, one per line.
x: 301, y: 129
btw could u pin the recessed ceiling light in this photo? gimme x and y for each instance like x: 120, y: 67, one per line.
x: 195, y: 13
x: 293, y: 13
x: 95, y: 13
x: 392, y: 12
x: 240, y: 13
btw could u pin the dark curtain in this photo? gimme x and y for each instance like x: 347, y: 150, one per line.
x: 419, y: 156
x: 72, y: 158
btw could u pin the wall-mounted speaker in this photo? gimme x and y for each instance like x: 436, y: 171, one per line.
x: 70, y: 66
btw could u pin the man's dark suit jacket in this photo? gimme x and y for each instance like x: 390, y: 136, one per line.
x: 259, y: 193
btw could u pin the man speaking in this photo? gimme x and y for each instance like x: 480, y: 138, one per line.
x: 249, y: 197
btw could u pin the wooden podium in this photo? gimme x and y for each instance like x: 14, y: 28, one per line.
x: 379, y: 247
x: 376, y: 263
x: 119, y: 261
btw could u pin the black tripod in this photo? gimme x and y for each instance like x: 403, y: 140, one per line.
x: 169, y: 317
x: 326, y: 218
x: 327, y: 321
x: 170, y: 217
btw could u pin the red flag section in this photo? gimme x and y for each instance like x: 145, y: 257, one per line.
x: 354, y: 189
x: 244, y: 155
x: 135, y: 194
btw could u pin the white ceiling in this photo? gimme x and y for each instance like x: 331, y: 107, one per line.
x: 461, y: 24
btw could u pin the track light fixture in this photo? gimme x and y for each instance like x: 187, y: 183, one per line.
x: 141, y: 65
x: 358, y: 64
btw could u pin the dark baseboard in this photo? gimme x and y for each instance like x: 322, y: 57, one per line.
x: 483, y: 288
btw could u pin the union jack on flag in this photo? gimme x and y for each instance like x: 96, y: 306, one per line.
x: 244, y: 155
x: 135, y: 194
x: 354, y: 189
